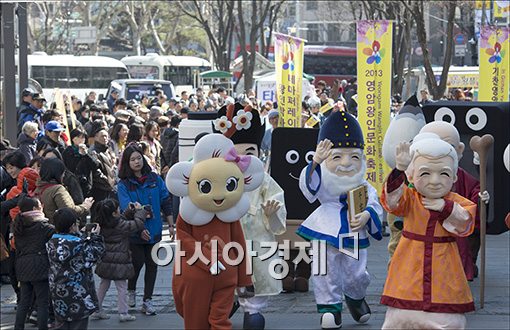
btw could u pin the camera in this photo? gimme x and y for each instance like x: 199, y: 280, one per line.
x: 89, y: 227
x: 148, y: 209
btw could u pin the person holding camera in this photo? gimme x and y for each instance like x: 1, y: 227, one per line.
x: 116, y: 264
x: 72, y: 254
x: 138, y: 183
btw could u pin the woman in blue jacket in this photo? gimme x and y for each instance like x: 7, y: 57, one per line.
x: 139, y: 184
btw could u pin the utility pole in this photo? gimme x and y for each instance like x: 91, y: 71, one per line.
x: 8, y: 69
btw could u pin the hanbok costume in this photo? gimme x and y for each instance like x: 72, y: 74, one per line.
x: 426, y: 286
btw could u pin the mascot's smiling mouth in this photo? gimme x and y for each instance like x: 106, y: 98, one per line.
x: 218, y: 202
x: 292, y: 176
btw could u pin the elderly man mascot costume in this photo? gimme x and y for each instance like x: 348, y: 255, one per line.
x: 267, y: 215
x: 214, y: 195
x: 426, y: 287
x: 338, y: 166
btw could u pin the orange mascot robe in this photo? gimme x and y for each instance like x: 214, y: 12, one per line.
x: 202, y: 299
x: 426, y: 272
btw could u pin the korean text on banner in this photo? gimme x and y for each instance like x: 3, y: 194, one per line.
x: 374, y: 93
x: 289, y: 76
x: 493, y: 59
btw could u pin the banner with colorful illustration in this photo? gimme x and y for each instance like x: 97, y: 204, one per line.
x: 493, y: 63
x: 289, y: 75
x: 374, y: 42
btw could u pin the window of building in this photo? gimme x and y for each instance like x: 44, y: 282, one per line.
x: 312, y: 5
x: 291, y: 9
x: 313, y: 32
x: 333, y: 32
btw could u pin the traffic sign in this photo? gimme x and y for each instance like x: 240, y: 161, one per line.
x: 460, y: 39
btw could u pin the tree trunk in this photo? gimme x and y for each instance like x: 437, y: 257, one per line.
x: 449, y: 50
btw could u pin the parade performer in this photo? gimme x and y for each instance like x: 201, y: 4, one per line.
x: 426, y: 287
x: 403, y: 128
x: 267, y: 215
x: 339, y: 166
x: 466, y: 186
x: 213, y: 188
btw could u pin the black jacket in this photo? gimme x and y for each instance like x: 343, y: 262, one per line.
x: 45, y: 142
x: 31, y: 257
x: 27, y: 146
x: 169, y: 140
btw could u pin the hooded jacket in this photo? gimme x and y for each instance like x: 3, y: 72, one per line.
x: 71, y: 258
x: 116, y: 263
x: 31, y: 177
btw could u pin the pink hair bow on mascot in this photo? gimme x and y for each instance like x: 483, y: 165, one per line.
x: 212, y: 264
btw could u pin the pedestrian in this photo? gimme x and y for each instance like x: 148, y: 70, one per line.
x: 52, y: 193
x: 119, y: 134
x: 139, y: 184
x: 71, y: 257
x: 32, y: 231
x: 27, y: 140
x: 152, y: 137
x: 116, y: 264
x: 51, y: 138
x: 103, y: 177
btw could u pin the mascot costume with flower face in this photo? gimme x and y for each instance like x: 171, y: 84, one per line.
x: 267, y: 215
x: 213, y: 187
x: 426, y: 287
x: 338, y: 166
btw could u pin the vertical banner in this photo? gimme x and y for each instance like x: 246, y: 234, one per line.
x: 289, y: 52
x: 59, y: 100
x: 493, y: 62
x: 374, y: 42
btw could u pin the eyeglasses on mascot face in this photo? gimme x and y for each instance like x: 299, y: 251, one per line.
x: 215, y: 182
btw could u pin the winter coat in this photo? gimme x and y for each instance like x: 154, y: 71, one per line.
x: 152, y: 191
x: 169, y: 139
x: 103, y: 177
x: 72, y: 184
x: 30, y: 176
x: 71, y: 280
x: 6, y: 182
x: 27, y: 146
x: 29, y: 113
x: 54, y: 196
x: 116, y: 263
x: 45, y: 143
x: 32, y: 263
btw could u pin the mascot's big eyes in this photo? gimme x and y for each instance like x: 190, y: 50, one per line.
x: 292, y: 156
x: 232, y: 183
x: 204, y: 186
x: 309, y: 156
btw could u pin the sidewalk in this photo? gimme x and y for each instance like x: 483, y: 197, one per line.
x: 297, y: 310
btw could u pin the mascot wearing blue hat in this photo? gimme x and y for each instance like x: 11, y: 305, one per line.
x: 338, y: 167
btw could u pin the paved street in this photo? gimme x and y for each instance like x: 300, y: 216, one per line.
x: 297, y: 311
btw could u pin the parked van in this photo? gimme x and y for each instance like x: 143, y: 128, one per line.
x: 134, y: 89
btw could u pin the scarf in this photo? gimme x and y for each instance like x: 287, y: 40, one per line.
x: 100, y: 147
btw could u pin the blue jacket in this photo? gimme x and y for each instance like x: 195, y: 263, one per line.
x: 30, y: 113
x: 151, y: 192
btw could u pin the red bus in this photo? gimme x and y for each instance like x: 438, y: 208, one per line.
x: 330, y: 62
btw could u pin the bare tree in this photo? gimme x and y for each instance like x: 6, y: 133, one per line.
x: 250, y: 30
x: 417, y: 10
x: 217, y: 19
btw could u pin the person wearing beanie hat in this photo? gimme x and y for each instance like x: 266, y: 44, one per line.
x: 268, y: 214
x: 338, y: 167
x: 28, y: 175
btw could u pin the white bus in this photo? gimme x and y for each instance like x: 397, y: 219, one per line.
x: 182, y: 71
x: 74, y: 75
x: 458, y: 77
